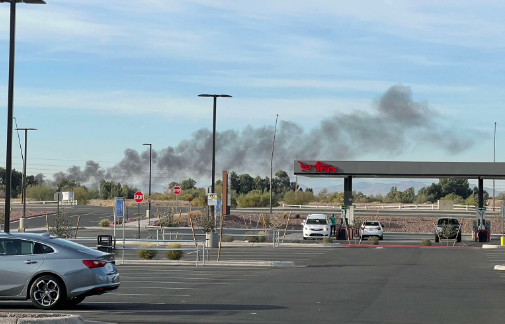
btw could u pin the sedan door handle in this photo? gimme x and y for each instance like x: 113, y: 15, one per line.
x: 30, y: 262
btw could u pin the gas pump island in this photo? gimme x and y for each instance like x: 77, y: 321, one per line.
x: 406, y: 170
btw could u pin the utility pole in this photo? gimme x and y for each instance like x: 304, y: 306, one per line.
x: 271, y: 162
x: 23, y: 189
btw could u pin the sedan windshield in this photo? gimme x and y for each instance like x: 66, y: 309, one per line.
x: 446, y: 221
x: 319, y: 221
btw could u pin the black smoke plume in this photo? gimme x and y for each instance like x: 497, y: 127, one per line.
x: 397, y: 124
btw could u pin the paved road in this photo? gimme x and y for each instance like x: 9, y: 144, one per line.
x: 334, y: 285
x: 91, y: 215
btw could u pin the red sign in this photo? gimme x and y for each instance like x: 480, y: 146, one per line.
x: 139, y: 197
x: 176, y: 190
x: 319, y: 166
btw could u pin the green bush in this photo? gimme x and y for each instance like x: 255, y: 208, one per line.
x: 256, y: 239
x: 147, y: 254
x: 426, y: 242
x: 298, y: 198
x: 328, y: 239
x: 228, y: 238
x: 40, y: 192
x: 105, y: 223
x: 373, y: 240
x: 174, y: 254
x: 254, y: 198
x: 81, y: 194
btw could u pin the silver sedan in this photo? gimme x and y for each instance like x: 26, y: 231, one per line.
x: 52, y: 271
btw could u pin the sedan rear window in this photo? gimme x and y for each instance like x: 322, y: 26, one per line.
x: 320, y: 221
x: 372, y: 224
x: 70, y: 244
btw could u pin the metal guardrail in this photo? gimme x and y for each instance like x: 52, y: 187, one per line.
x: 273, y: 232
x: 123, y: 248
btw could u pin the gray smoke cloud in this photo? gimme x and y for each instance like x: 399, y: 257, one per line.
x: 396, y: 124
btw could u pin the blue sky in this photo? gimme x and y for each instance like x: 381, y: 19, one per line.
x: 99, y: 77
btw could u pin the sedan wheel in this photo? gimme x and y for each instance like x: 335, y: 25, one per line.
x: 47, y: 292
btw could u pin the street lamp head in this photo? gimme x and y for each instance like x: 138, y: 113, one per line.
x: 147, y: 144
x: 215, y: 95
x: 26, y: 1
x: 26, y: 129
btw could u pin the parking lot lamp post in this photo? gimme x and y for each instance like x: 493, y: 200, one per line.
x: 149, y: 197
x: 10, y: 108
x: 21, y: 221
x: 215, y: 96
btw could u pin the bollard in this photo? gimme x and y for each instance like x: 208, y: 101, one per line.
x: 502, y: 240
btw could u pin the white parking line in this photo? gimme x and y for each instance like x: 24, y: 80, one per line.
x: 148, y: 295
x: 171, y: 282
x: 189, y: 278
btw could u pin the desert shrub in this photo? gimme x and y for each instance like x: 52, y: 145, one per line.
x: 373, y: 240
x: 61, y: 226
x: 147, y: 254
x: 328, y: 239
x: 426, y: 242
x: 228, y: 238
x: 167, y: 218
x: 105, y: 223
x: 298, y: 198
x: 82, y: 195
x: 174, y: 254
x: 256, y: 239
x: 40, y: 192
x: 297, y: 216
x: 254, y: 198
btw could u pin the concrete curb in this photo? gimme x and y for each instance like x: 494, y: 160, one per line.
x: 68, y: 319
x: 238, y: 263
x: 499, y: 267
x: 490, y: 246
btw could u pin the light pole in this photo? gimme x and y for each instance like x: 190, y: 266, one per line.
x: 149, y: 197
x: 215, y: 96
x: 494, y: 160
x: 23, y: 190
x: 10, y: 108
x: 272, y: 161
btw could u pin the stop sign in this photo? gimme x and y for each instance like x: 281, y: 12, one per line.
x: 177, y: 190
x: 139, y: 197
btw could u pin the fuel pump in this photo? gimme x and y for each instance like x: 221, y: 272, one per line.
x: 481, y: 232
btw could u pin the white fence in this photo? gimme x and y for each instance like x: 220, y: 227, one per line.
x: 47, y: 202
x: 398, y: 206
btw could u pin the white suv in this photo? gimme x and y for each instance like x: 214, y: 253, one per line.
x: 316, y: 226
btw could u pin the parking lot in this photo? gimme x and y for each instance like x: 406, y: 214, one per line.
x: 346, y: 285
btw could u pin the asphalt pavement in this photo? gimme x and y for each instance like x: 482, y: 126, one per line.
x: 337, y: 285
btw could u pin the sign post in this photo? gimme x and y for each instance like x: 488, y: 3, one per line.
x: 58, y: 197
x: 118, y: 212
x: 177, y: 192
x: 139, y: 197
x: 212, y: 201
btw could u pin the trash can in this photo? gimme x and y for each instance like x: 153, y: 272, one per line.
x: 104, y: 243
x: 341, y: 233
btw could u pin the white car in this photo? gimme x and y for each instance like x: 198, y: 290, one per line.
x: 371, y: 228
x: 316, y: 226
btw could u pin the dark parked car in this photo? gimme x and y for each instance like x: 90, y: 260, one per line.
x: 52, y: 271
x: 448, y: 228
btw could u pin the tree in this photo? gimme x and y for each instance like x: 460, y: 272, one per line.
x: 188, y: 184
x: 234, y: 182
x: 459, y: 187
x: 105, y: 187
x: 299, y: 198
x: 173, y: 184
x: 283, y: 180
x: 246, y: 183
x: 16, y: 181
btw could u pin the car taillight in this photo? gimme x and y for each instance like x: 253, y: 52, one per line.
x: 378, y: 228
x: 94, y: 263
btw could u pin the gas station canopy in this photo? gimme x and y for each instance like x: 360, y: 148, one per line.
x: 395, y: 169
